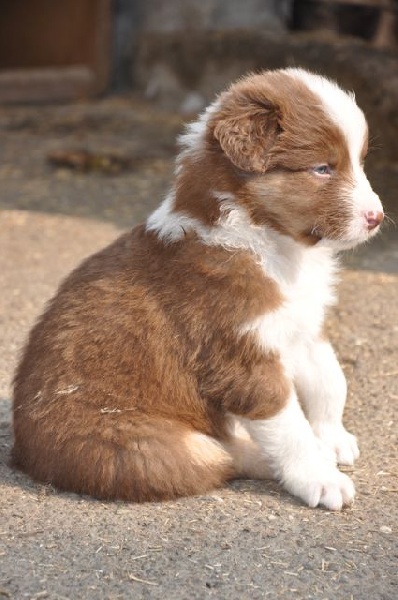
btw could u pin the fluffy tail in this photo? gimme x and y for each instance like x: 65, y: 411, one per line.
x: 140, y: 460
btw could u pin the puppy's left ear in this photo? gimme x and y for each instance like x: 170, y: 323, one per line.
x: 247, y: 133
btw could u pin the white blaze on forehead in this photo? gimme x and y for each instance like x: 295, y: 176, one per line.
x: 340, y: 106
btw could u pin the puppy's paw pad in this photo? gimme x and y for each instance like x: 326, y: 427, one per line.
x: 340, y: 441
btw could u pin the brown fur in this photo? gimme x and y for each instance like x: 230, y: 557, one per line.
x: 137, y: 351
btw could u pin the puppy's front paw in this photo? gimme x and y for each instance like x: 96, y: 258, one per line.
x: 337, y: 438
x: 322, y: 485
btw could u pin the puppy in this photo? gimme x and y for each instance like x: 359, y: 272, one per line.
x: 191, y: 351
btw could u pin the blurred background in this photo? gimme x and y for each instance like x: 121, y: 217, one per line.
x: 167, y: 48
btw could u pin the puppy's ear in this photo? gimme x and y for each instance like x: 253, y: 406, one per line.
x: 247, y: 133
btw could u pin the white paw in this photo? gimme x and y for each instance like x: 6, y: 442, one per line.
x: 342, y: 443
x: 321, y: 485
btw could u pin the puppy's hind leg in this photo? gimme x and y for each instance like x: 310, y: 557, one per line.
x: 248, y: 460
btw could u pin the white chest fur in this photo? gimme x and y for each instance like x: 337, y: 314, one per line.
x: 306, y: 278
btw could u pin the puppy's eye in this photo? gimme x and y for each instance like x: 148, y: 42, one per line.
x: 322, y: 170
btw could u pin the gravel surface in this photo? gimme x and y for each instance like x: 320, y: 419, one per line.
x: 249, y: 539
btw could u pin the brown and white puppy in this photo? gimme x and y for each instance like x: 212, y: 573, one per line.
x: 191, y: 351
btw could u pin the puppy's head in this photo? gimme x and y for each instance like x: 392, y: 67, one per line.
x: 290, y: 147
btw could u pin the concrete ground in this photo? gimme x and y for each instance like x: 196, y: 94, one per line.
x: 249, y: 539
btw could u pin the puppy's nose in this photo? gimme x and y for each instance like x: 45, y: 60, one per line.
x: 373, y: 218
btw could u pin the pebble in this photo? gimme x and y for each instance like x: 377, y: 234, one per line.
x: 385, y: 529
